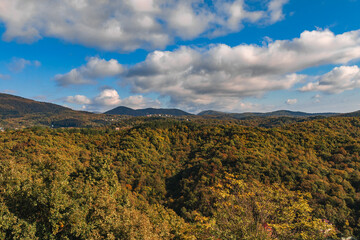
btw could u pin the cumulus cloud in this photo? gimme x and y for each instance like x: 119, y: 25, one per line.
x: 220, y: 73
x: 19, y: 64
x: 139, y: 101
x: 337, y: 80
x: 224, y: 104
x: 128, y: 25
x: 291, y: 101
x: 109, y: 98
x: 95, y: 68
x: 78, y: 99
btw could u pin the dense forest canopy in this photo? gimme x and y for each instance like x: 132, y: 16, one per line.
x: 172, y: 179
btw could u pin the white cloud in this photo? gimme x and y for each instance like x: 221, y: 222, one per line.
x: 128, y: 25
x: 224, y: 104
x: 19, y: 64
x: 291, y: 101
x: 220, y: 73
x: 139, y: 101
x: 186, y: 22
x: 95, y: 68
x: 109, y: 98
x: 337, y: 80
x: 78, y: 99
x: 276, y: 10
x: 238, y: 14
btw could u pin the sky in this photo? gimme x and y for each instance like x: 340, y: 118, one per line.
x: 195, y: 55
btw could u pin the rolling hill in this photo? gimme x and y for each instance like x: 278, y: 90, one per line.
x: 147, y: 111
x: 351, y: 114
x: 279, y: 113
x: 18, y: 112
x: 14, y: 106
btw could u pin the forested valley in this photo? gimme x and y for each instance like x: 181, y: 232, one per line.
x: 178, y: 179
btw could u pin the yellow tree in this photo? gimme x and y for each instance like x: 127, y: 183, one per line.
x: 256, y: 211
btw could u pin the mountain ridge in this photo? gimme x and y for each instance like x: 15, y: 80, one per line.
x: 277, y: 113
x: 14, y: 106
x: 122, y: 110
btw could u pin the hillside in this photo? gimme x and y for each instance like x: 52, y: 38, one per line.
x: 18, y: 112
x: 14, y: 106
x: 279, y: 113
x: 147, y: 111
x: 351, y: 114
x: 168, y: 179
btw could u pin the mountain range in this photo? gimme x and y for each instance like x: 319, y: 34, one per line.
x: 147, y: 111
x: 18, y: 107
x: 122, y: 110
x: 279, y: 113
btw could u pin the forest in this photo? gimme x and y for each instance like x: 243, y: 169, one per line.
x: 166, y: 178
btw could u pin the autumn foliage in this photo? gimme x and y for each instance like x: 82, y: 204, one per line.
x: 170, y: 179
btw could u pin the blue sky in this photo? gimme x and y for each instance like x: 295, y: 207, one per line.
x: 234, y: 56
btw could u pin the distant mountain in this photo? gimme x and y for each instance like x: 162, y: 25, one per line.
x: 147, y: 111
x: 18, y: 112
x: 287, y: 113
x: 351, y: 114
x: 122, y: 111
x: 280, y: 113
x: 211, y: 112
x: 14, y: 106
